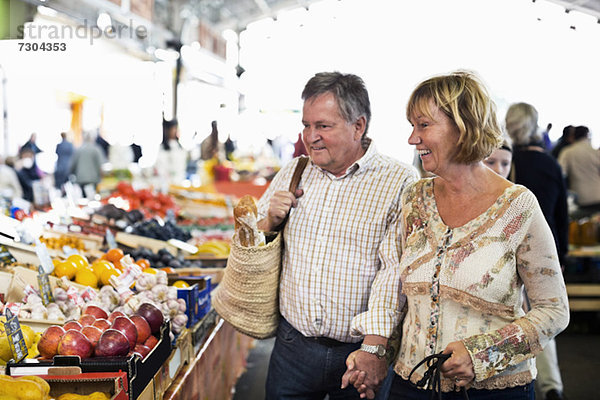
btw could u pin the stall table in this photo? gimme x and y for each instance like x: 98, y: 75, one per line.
x: 213, y: 372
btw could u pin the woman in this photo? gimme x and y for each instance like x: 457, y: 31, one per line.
x: 541, y: 173
x: 470, y: 241
x: 172, y: 158
x: 501, y: 159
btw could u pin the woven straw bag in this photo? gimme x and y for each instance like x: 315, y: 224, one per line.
x: 248, y: 295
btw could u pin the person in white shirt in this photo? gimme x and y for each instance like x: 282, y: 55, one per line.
x: 581, y: 165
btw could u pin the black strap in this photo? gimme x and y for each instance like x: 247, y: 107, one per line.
x: 431, y: 378
x: 300, y: 166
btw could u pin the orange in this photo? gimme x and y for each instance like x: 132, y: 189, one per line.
x: 114, y: 255
x: 181, y: 284
x: 106, y: 274
x: 87, y: 277
x: 168, y: 270
x: 66, y: 268
x: 79, y: 260
x: 143, y: 263
x: 100, y: 265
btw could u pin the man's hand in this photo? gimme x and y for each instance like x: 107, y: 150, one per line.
x: 459, y: 367
x: 365, y: 372
x: 279, y: 206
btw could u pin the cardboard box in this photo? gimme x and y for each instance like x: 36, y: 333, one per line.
x: 200, y: 330
x: 114, y: 383
x: 23, y: 276
x: 140, y: 373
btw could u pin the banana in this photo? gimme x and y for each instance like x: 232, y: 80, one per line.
x: 218, y: 248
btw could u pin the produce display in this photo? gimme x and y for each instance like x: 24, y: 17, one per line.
x: 109, y: 304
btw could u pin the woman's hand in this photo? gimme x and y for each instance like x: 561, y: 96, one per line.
x: 459, y: 367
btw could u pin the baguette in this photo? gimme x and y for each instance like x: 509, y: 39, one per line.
x: 245, y: 214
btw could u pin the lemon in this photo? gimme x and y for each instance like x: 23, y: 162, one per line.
x: 152, y: 271
x: 100, y: 266
x: 66, y: 268
x: 181, y: 284
x: 87, y: 277
x: 106, y: 274
x: 79, y: 261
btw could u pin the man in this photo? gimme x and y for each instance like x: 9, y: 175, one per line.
x: 581, y: 165
x: 348, y: 199
x: 64, y: 152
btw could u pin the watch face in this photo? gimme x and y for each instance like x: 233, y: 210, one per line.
x: 380, y: 351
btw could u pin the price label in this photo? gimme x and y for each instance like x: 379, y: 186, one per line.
x: 68, y: 250
x: 16, y: 340
x: 5, y: 256
x: 45, y: 288
x: 44, y: 256
x: 110, y: 239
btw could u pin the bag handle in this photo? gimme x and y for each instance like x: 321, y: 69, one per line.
x: 302, y: 162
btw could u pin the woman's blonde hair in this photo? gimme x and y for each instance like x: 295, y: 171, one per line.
x: 521, y: 122
x: 465, y: 100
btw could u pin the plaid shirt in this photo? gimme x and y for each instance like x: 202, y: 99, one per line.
x: 332, y: 239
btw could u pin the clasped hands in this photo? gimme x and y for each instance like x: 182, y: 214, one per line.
x: 366, y: 371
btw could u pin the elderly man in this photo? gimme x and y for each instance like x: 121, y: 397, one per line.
x: 348, y: 199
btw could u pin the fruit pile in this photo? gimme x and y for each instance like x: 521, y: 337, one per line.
x: 58, y: 243
x: 215, y: 248
x: 24, y: 388
x: 145, y: 200
x: 100, y: 334
x: 154, y: 229
x: 162, y: 259
x: 77, y: 268
x: 31, y: 340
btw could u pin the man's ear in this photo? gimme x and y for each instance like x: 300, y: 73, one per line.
x: 359, y: 127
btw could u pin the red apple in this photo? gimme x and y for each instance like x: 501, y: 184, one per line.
x: 153, y: 315
x: 87, y: 319
x: 112, y: 343
x: 74, y: 343
x: 92, y: 333
x: 115, y: 314
x: 96, y: 311
x: 126, y: 326
x: 72, y: 325
x: 143, y: 350
x: 48, y: 344
x: 101, y: 324
x: 143, y: 329
x: 151, y: 341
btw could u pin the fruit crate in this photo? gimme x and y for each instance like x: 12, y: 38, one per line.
x: 201, y: 329
x: 140, y: 372
x: 114, y: 383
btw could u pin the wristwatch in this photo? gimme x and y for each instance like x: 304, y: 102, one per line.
x: 379, y: 350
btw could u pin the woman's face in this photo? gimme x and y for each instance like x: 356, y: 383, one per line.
x: 435, y: 139
x: 499, y: 161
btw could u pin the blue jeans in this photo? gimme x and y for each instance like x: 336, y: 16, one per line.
x: 304, y: 369
x: 402, y: 390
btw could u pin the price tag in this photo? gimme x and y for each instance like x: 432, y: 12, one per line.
x: 45, y: 288
x: 110, y: 239
x: 181, y: 245
x: 68, y: 250
x: 5, y: 256
x: 44, y: 256
x: 16, y: 340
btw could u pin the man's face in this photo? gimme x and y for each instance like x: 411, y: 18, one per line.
x: 333, y: 143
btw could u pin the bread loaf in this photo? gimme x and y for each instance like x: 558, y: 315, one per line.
x: 244, y: 215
